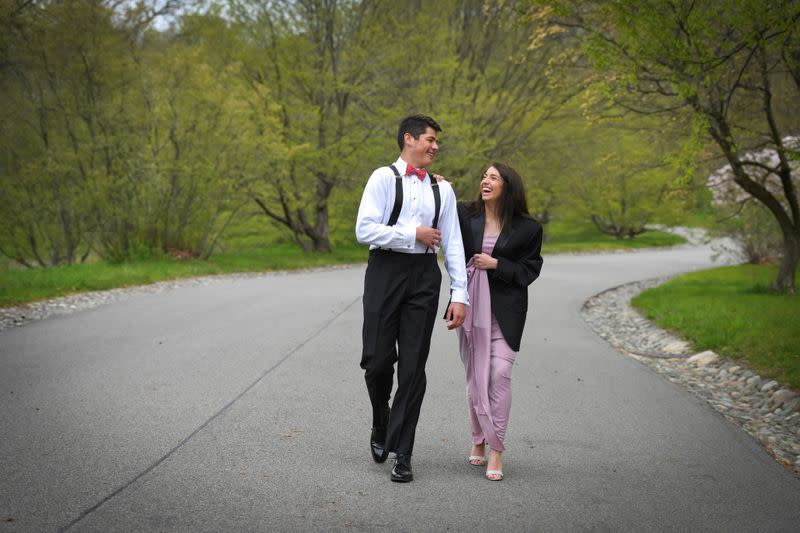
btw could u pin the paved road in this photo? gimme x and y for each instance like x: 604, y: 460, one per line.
x: 239, y: 406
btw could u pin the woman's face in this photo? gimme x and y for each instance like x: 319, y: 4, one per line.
x: 491, y: 185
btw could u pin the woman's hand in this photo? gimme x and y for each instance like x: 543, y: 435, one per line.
x: 484, y: 261
x: 438, y: 177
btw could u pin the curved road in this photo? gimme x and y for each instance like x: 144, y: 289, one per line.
x: 239, y: 406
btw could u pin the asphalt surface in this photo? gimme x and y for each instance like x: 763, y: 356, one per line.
x: 240, y: 406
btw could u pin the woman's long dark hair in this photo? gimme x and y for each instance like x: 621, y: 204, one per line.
x: 511, y: 203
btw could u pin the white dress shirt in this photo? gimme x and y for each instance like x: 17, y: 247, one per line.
x: 418, y: 209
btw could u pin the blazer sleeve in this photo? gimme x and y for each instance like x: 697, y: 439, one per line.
x: 524, y: 269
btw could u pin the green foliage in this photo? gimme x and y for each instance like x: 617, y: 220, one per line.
x: 55, y: 88
x: 124, y: 142
x: 727, y: 69
x: 467, y: 65
x: 732, y: 311
x: 491, y: 85
x: 626, y: 182
x: 134, y: 144
x: 320, y: 66
x: 205, y: 136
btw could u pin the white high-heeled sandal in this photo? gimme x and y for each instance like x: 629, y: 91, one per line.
x: 494, y: 473
x: 477, y: 460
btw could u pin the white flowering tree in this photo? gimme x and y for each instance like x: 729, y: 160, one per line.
x: 763, y: 168
x: 745, y: 219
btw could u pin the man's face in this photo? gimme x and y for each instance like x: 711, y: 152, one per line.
x: 424, y: 149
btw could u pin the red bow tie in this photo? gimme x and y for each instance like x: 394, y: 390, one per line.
x: 420, y: 172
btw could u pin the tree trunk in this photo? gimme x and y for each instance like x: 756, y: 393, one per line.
x: 322, y: 244
x: 791, y: 257
x: 721, y: 133
x: 321, y: 234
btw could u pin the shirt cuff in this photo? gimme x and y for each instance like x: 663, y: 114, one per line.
x: 409, y: 236
x: 459, y: 296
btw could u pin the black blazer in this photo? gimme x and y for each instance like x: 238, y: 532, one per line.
x: 519, y: 261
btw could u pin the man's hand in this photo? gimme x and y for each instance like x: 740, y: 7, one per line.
x: 430, y: 237
x: 484, y: 262
x: 456, y: 312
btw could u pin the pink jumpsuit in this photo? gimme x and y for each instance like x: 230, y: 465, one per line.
x: 487, y: 359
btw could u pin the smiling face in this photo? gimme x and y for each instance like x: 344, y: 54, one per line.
x: 420, y: 152
x: 492, y: 185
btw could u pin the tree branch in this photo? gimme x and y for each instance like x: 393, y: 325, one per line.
x: 785, y: 171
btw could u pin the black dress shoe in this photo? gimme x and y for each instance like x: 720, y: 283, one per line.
x: 401, y: 472
x: 376, y: 445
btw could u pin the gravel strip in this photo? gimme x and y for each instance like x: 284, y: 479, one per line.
x: 762, y: 407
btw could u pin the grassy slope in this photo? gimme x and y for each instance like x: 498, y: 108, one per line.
x: 731, y: 311
x: 572, y: 237
x: 18, y: 286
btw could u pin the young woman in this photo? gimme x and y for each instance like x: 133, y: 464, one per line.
x: 502, y: 247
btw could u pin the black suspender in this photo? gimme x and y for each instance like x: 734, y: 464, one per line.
x: 437, y: 200
x: 398, y: 199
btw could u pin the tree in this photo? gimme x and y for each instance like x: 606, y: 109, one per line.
x: 734, y: 65
x: 118, y: 140
x: 624, y: 202
x: 490, y: 83
x: 56, y: 84
x: 311, y: 59
x: 203, y: 129
x: 344, y: 72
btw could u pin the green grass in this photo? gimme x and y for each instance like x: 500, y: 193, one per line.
x: 567, y: 237
x: 247, y: 248
x: 26, y: 285
x: 732, y: 311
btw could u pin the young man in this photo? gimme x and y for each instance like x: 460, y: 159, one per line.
x: 401, y: 286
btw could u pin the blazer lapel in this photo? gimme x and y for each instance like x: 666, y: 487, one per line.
x: 476, y: 225
x: 504, y: 237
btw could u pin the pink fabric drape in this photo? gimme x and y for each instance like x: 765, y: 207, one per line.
x: 475, y: 338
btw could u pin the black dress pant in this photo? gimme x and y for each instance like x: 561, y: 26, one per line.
x: 401, y: 298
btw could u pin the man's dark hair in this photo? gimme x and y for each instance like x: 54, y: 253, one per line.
x: 416, y: 126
